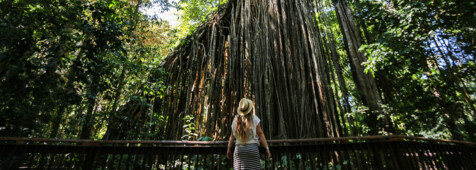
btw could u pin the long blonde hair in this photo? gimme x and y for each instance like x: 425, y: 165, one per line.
x: 243, y: 126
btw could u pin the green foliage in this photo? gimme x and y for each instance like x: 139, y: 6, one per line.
x: 422, y: 50
x: 67, y: 66
x: 190, y: 128
x: 191, y: 14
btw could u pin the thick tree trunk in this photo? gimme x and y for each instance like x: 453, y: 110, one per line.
x: 334, y: 65
x: 266, y: 50
x: 365, y: 83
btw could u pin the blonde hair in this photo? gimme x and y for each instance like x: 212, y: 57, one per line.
x: 243, y: 126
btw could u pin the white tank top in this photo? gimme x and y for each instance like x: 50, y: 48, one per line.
x: 252, y: 137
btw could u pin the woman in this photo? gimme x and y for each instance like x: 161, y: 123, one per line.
x: 246, y: 129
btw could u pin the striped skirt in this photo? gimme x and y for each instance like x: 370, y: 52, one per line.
x: 246, y: 157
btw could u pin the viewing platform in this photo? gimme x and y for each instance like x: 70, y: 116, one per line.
x: 369, y: 152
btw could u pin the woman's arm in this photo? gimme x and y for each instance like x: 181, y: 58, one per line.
x: 230, y: 144
x: 262, y: 138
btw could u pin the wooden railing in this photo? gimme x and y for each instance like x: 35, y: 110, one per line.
x: 371, y: 152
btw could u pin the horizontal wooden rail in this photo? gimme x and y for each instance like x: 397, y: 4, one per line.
x: 339, y: 139
x: 368, y: 152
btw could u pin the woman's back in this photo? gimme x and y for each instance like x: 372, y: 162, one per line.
x: 252, y: 135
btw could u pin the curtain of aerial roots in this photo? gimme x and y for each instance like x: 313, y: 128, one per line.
x: 266, y: 50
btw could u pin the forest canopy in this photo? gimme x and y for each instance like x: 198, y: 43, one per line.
x: 102, y: 69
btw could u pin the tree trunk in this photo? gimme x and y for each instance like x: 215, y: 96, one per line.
x: 365, y: 83
x: 265, y: 50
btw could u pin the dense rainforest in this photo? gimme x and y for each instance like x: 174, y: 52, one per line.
x: 103, y: 69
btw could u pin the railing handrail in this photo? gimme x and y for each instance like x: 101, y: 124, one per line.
x: 326, y: 139
x: 366, y: 152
